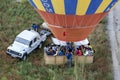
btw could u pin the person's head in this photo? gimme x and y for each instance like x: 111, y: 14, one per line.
x: 82, y: 46
x: 50, y: 47
x: 67, y: 42
x: 89, y: 43
x: 33, y: 23
x: 58, y: 45
x: 87, y: 48
x: 77, y: 48
x: 70, y: 50
x: 48, y: 44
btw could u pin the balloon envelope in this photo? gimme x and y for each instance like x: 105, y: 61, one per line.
x: 72, y: 20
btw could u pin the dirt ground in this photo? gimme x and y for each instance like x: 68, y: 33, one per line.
x: 114, y: 36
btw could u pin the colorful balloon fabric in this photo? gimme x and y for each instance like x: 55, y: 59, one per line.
x: 72, y: 20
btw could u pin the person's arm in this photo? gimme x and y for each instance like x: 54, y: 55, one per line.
x: 56, y: 53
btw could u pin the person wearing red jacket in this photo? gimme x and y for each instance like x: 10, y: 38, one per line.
x: 79, y: 52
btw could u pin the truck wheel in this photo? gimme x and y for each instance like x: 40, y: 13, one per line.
x: 24, y: 57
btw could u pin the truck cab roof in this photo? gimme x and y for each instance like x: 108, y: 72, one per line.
x: 28, y: 34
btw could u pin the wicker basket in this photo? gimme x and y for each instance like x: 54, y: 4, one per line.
x: 83, y: 59
x: 57, y: 60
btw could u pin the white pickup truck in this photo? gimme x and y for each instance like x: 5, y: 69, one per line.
x: 25, y: 43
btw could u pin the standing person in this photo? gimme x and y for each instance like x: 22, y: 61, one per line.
x: 69, y: 58
x: 35, y: 27
x: 68, y: 46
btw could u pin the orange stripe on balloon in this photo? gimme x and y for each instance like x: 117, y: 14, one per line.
x: 72, y: 20
x: 71, y: 27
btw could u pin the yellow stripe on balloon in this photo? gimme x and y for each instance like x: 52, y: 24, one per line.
x: 103, y: 6
x: 39, y: 5
x: 58, y: 6
x: 82, y: 6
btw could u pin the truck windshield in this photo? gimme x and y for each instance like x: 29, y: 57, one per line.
x: 23, y: 41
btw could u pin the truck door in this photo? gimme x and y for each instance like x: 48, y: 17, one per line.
x: 35, y: 43
x: 30, y: 47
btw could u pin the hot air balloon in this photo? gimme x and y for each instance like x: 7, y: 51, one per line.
x: 72, y: 20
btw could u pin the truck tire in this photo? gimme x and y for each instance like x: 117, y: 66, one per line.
x: 24, y: 57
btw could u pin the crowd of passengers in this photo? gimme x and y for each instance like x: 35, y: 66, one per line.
x: 83, y: 50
